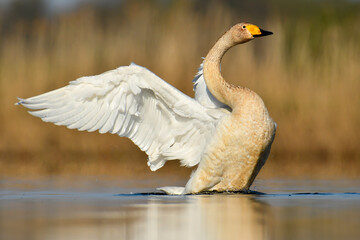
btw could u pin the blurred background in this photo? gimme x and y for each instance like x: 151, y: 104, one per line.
x: 308, y: 74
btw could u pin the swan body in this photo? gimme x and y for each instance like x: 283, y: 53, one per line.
x: 226, y: 130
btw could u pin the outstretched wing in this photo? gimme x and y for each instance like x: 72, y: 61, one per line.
x: 132, y: 102
x: 202, y: 93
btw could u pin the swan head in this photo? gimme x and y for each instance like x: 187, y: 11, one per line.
x: 244, y: 32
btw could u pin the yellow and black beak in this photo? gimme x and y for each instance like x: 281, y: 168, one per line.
x: 257, y: 32
x: 263, y: 33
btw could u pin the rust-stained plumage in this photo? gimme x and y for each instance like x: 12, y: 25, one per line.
x: 243, y: 139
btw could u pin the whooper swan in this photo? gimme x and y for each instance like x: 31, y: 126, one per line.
x: 226, y: 129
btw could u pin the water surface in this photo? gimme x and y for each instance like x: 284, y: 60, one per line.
x: 91, y: 208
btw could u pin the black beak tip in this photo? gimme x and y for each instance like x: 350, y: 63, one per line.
x: 265, y: 33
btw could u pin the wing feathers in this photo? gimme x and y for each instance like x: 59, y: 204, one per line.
x: 89, y: 120
x: 118, y: 123
x: 79, y: 120
x: 132, y: 102
x: 109, y: 123
x: 202, y: 93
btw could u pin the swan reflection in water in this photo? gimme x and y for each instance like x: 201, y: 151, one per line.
x: 150, y: 217
x: 34, y: 213
x: 201, y: 217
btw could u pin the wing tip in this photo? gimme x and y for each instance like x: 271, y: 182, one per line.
x: 20, y: 102
x: 198, y: 75
x: 155, y: 164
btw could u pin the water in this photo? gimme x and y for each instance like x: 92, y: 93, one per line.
x: 89, y: 208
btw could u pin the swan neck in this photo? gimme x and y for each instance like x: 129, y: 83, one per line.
x: 222, y: 90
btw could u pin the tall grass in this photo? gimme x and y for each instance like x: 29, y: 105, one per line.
x: 307, y: 73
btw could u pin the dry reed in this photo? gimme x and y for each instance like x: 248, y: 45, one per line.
x: 309, y: 81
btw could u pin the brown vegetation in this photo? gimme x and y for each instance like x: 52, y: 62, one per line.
x: 307, y: 73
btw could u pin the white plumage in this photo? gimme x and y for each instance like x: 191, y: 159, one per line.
x: 226, y: 130
x: 133, y: 102
x: 202, y: 93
